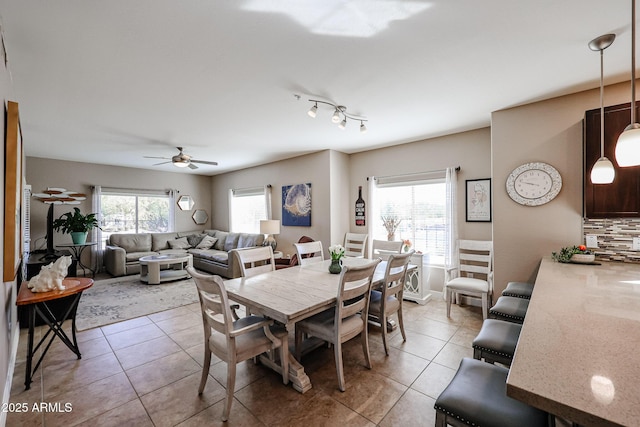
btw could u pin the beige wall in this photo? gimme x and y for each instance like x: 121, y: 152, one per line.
x: 43, y: 173
x: 469, y: 150
x: 548, y: 131
x: 313, y: 168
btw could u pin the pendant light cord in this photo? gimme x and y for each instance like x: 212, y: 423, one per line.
x: 633, y: 61
x: 601, y: 103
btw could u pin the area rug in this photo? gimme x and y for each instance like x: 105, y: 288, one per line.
x: 123, y: 298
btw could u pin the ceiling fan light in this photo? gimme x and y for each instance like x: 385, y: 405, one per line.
x: 313, y: 111
x: 628, y: 146
x: 336, y: 116
x: 343, y: 124
x: 603, y: 171
x: 181, y: 164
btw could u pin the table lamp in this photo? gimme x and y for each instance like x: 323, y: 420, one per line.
x: 270, y: 227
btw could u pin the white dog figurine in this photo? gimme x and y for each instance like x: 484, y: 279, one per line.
x: 51, y: 276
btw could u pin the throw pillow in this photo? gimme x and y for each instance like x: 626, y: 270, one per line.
x: 207, y: 242
x: 195, y: 239
x: 181, y: 243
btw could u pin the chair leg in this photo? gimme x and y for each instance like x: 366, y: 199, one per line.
x: 383, y: 326
x: 400, y: 321
x: 205, y: 369
x: 477, y: 354
x: 365, y: 345
x: 485, y: 308
x: 449, y: 296
x: 441, y: 419
x: 231, y: 384
x: 339, y: 368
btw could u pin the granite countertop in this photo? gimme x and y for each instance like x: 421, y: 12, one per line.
x: 578, y: 353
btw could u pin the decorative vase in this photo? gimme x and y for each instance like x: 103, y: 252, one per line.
x: 391, y: 237
x: 336, y: 266
x: 79, y: 237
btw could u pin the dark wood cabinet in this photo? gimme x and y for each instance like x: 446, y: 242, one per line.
x: 622, y: 198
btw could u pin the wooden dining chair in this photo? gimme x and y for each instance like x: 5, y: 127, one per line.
x: 346, y: 320
x: 231, y: 340
x: 387, y: 301
x: 355, y: 244
x: 309, y: 253
x: 383, y: 248
x: 473, y: 274
x: 254, y: 261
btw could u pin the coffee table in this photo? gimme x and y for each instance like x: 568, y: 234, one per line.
x: 151, y: 271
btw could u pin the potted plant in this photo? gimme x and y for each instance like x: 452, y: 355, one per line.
x: 76, y: 224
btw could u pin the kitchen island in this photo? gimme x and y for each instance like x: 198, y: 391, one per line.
x: 578, y: 355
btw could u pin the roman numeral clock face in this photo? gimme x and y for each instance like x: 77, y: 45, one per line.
x: 534, y: 184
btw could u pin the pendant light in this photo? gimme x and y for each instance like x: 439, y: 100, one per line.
x: 628, y: 146
x: 602, y: 171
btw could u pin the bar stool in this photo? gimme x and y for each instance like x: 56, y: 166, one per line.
x: 511, y: 309
x: 477, y: 396
x: 518, y: 290
x: 496, y: 341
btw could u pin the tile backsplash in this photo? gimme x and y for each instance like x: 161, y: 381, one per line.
x: 615, y: 238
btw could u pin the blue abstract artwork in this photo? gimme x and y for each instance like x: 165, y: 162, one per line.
x: 296, y: 205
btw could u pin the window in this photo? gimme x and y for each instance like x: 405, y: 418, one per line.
x: 247, y: 207
x: 421, y: 208
x: 124, y: 212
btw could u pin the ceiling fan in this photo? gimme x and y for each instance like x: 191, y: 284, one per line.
x: 182, y: 160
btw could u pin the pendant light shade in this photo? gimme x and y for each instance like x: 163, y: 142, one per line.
x: 603, y: 171
x: 628, y: 146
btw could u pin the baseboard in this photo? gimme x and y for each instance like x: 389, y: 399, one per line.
x: 6, y: 394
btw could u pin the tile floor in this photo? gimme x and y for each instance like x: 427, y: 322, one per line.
x: 146, y: 371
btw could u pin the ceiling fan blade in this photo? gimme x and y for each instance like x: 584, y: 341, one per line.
x: 162, y: 163
x: 192, y: 166
x: 204, y: 162
x: 154, y: 157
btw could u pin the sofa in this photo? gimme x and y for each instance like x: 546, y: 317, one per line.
x: 212, y: 250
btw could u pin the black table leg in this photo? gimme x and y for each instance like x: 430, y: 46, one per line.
x: 55, y: 326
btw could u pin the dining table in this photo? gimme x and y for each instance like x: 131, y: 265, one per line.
x: 292, y: 294
x: 577, y: 355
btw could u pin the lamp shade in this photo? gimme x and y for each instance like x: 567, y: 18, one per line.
x: 603, y: 171
x: 270, y: 226
x: 628, y: 147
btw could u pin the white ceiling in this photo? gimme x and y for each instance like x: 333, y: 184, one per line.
x: 109, y: 82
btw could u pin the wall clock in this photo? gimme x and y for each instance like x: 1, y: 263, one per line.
x: 534, y: 184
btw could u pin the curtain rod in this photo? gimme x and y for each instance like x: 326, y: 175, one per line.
x: 414, y: 174
x: 141, y: 190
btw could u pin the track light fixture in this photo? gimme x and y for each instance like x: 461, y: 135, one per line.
x: 339, y: 116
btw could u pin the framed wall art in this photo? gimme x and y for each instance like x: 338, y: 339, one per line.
x: 296, y: 205
x: 12, y: 193
x: 478, y: 200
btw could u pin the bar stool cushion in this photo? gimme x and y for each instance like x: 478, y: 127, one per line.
x: 518, y: 290
x: 511, y: 309
x: 496, y: 341
x: 477, y: 396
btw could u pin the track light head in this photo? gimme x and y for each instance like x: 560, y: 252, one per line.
x: 363, y: 128
x: 313, y: 111
x: 343, y: 124
x: 336, y: 116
